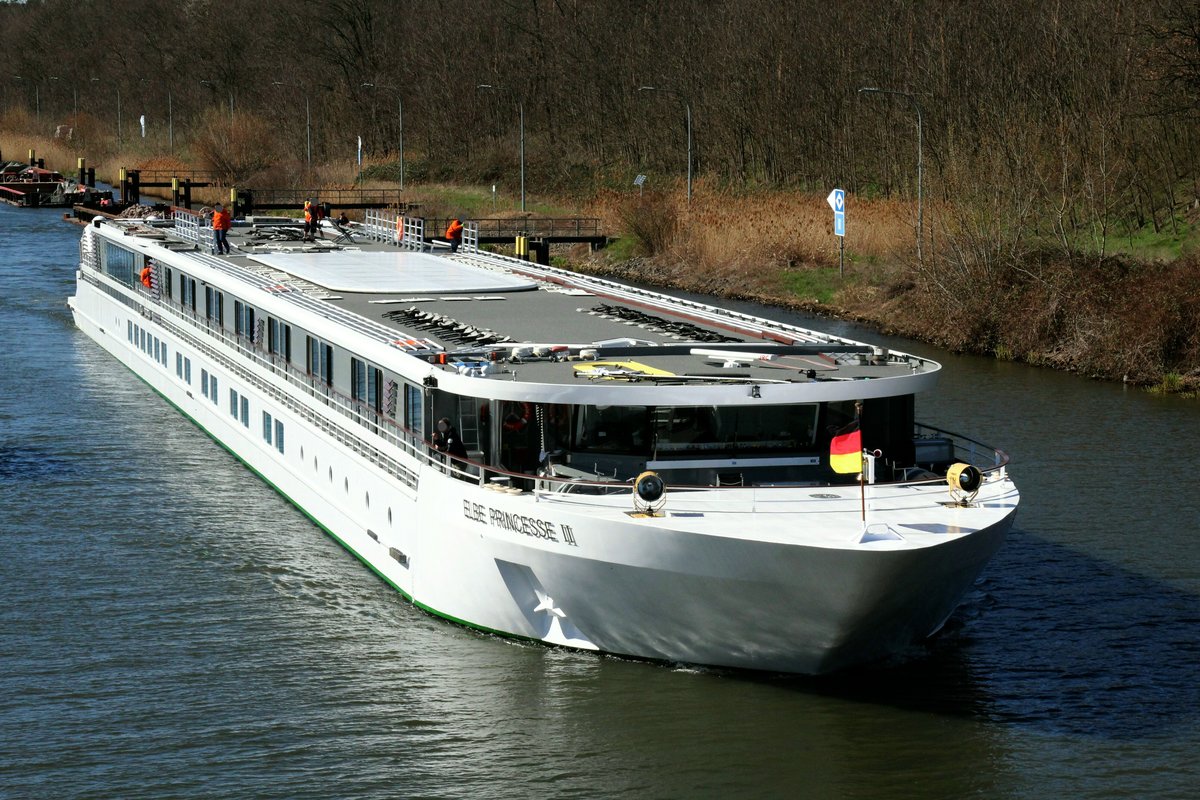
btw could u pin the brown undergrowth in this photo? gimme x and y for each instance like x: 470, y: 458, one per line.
x: 979, y: 290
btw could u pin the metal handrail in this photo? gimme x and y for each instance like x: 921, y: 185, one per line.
x: 973, y: 451
x: 189, y: 225
x: 529, y: 226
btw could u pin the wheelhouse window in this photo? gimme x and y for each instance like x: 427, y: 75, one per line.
x: 168, y: 282
x: 664, y: 430
x: 735, y: 429
x: 320, y: 360
x: 612, y: 429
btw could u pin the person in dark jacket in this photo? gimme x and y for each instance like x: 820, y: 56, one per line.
x: 447, y: 440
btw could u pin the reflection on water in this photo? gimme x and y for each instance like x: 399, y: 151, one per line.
x: 172, y: 627
x: 1073, y: 646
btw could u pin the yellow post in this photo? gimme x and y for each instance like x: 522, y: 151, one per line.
x: 81, y: 162
x: 522, y: 247
x: 32, y: 159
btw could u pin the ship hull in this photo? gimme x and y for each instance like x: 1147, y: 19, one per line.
x: 683, y: 587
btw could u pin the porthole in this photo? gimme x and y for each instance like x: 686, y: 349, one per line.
x: 389, y: 516
x: 301, y: 452
x: 347, y: 485
x: 367, y: 498
x: 331, y: 474
x: 315, y: 467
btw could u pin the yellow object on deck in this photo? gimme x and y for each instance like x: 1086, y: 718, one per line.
x: 600, y: 367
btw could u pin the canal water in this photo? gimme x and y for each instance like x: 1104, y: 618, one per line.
x: 170, y: 627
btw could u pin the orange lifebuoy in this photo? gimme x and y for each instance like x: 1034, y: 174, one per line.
x: 512, y: 422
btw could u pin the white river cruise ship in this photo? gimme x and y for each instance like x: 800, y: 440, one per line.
x: 632, y: 473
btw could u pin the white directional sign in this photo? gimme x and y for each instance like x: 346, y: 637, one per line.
x: 837, y: 201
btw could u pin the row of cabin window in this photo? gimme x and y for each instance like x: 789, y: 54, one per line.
x: 147, y: 342
x: 239, y: 405
x: 367, y: 383
x: 272, y: 429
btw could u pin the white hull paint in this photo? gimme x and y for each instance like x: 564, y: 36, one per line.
x: 699, y: 585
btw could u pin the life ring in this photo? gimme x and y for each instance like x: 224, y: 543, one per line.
x: 515, y: 423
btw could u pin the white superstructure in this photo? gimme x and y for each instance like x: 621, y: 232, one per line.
x: 325, y: 369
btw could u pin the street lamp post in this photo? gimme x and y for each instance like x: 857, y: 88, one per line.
x: 917, y: 106
x: 213, y: 86
x: 119, y: 138
x: 307, y: 124
x: 521, y: 115
x: 37, y: 97
x: 170, y: 115
x: 74, y: 99
x: 54, y: 78
x: 400, y: 119
x: 688, y: 108
x: 74, y: 95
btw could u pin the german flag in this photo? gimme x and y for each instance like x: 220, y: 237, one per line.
x: 845, y: 450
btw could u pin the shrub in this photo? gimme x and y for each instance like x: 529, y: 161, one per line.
x: 236, y: 147
x: 651, y: 221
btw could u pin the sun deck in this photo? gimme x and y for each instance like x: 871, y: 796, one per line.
x: 549, y: 326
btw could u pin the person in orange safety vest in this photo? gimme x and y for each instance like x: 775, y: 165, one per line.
x: 454, y: 232
x: 222, y: 221
x: 146, y: 278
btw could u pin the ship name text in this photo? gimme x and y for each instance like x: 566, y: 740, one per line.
x: 517, y: 523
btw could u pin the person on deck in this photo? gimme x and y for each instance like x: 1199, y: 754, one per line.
x: 454, y: 233
x: 146, y: 276
x: 222, y: 221
x: 310, y: 219
x: 447, y: 440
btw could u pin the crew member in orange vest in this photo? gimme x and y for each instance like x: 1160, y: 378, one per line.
x: 311, y: 220
x: 146, y: 278
x: 222, y: 221
x: 454, y: 232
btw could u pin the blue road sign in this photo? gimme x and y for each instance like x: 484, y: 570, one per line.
x: 837, y: 201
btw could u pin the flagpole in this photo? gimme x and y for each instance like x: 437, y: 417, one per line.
x: 862, y: 489
x: 862, y: 456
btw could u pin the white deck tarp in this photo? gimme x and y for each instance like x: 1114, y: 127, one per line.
x: 376, y: 272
